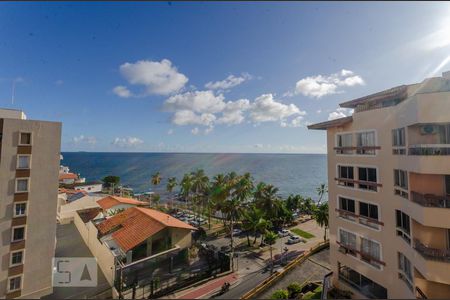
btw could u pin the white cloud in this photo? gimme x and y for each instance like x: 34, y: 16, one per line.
x: 195, y: 131
x: 233, y: 112
x: 209, y: 130
x: 321, y: 85
x: 259, y: 146
x: 229, y: 82
x: 266, y: 109
x: 122, y: 91
x: 91, y: 140
x: 319, y: 111
x: 197, y: 101
x: 170, y: 131
x: 156, y: 77
x: 188, y: 117
x: 127, y: 142
x: 295, y: 122
x: 59, y: 82
x: 341, y: 112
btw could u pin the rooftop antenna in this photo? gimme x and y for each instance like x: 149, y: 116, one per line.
x: 13, y: 91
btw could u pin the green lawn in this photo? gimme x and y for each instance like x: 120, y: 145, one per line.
x: 302, y: 233
x: 313, y: 295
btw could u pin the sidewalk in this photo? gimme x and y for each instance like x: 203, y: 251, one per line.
x: 208, y: 287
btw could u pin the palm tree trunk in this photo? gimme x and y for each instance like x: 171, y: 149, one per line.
x: 231, y: 244
x: 271, y: 260
x: 254, y: 241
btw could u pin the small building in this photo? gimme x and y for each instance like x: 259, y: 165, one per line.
x: 114, y: 204
x: 90, y: 187
x: 68, y: 178
x: 70, y: 201
x: 139, y: 232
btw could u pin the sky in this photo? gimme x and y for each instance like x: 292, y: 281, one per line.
x: 210, y: 77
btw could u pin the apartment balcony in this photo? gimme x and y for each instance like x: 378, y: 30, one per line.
x: 363, y: 220
x: 432, y: 253
x: 427, y: 289
x: 430, y: 200
x: 365, y: 150
x: 428, y: 148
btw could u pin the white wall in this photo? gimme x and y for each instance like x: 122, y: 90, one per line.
x: 105, y: 259
x: 93, y: 188
x: 66, y: 212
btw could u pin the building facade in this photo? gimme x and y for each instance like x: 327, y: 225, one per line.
x: 29, y: 165
x: 389, y: 192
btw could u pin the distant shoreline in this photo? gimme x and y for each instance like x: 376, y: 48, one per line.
x: 149, y: 152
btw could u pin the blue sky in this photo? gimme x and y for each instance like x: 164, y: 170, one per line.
x: 210, y: 77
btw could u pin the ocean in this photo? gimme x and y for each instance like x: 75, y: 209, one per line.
x: 291, y: 173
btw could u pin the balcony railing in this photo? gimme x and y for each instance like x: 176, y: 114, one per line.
x: 374, y: 223
x: 361, y: 150
x: 429, y: 149
x: 432, y: 253
x: 430, y: 200
x: 420, y: 294
x: 365, y: 185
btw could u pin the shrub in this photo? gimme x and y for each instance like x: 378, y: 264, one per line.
x: 294, y: 289
x: 280, y: 294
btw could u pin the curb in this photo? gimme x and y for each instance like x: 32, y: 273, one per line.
x: 300, y: 259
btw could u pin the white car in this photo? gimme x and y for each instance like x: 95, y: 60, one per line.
x: 294, y: 239
x: 236, y: 232
x: 284, y: 232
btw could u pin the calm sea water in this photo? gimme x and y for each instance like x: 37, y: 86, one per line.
x: 291, y: 173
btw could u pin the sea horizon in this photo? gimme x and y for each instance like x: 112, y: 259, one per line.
x: 292, y: 173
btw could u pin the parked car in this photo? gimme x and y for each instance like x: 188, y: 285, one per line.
x: 284, y: 232
x: 236, y: 231
x: 294, y: 239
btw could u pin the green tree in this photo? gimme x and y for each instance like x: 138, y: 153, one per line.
x: 156, y: 178
x: 252, y: 217
x: 270, y: 238
x: 200, y: 187
x: 111, y: 180
x: 171, y: 184
x: 155, y: 199
x: 280, y: 295
x: 321, y: 190
x: 320, y: 214
x: 186, y: 186
x: 294, y: 289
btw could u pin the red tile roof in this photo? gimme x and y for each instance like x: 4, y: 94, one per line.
x: 68, y: 176
x: 137, y: 224
x: 111, y: 201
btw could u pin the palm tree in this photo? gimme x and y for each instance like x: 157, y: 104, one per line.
x: 262, y: 227
x: 171, y: 184
x: 259, y: 190
x: 156, y: 178
x: 186, y: 185
x: 308, y: 206
x: 270, y: 238
x: 252, y: 217
x: 320, y: 214
x: 200, y: 186
x: 268, y: 201
x: 321, y: 190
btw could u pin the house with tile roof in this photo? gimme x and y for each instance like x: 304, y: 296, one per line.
x: 138, y: 232
x: 137, y: 235
x: 114, y: 204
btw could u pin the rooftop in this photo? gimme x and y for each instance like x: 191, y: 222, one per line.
x: 331, y: 123
x: 8, y: 113
x: 68, y: 176
x: 88, y: 214
x: 135, y: 225
x: 111, y: 201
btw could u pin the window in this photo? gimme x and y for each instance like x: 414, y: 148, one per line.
x: 18, y: 233
x: 370, y: 252
x: 369, y: 175
x: 368, y: 213
x: 398, y: 137
x: 348, y: 240
x: 344, y: 140
x: 16, y: 258
x: 23, y: 161
x: 360, y: 282
x: 15, y: 283
x: 401, y: 182
x: 403, y: 225
x: 22, y: 185
x: 345, y: 172
x: 365, y: 139
x: 347, y: 205
x: 25, y: 138
x: 20, y: 209
x: 404, y: 265
x: 401, y: 179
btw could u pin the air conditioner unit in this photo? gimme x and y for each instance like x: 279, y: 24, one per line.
x: 343, y: 250
x: 428, y: 129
